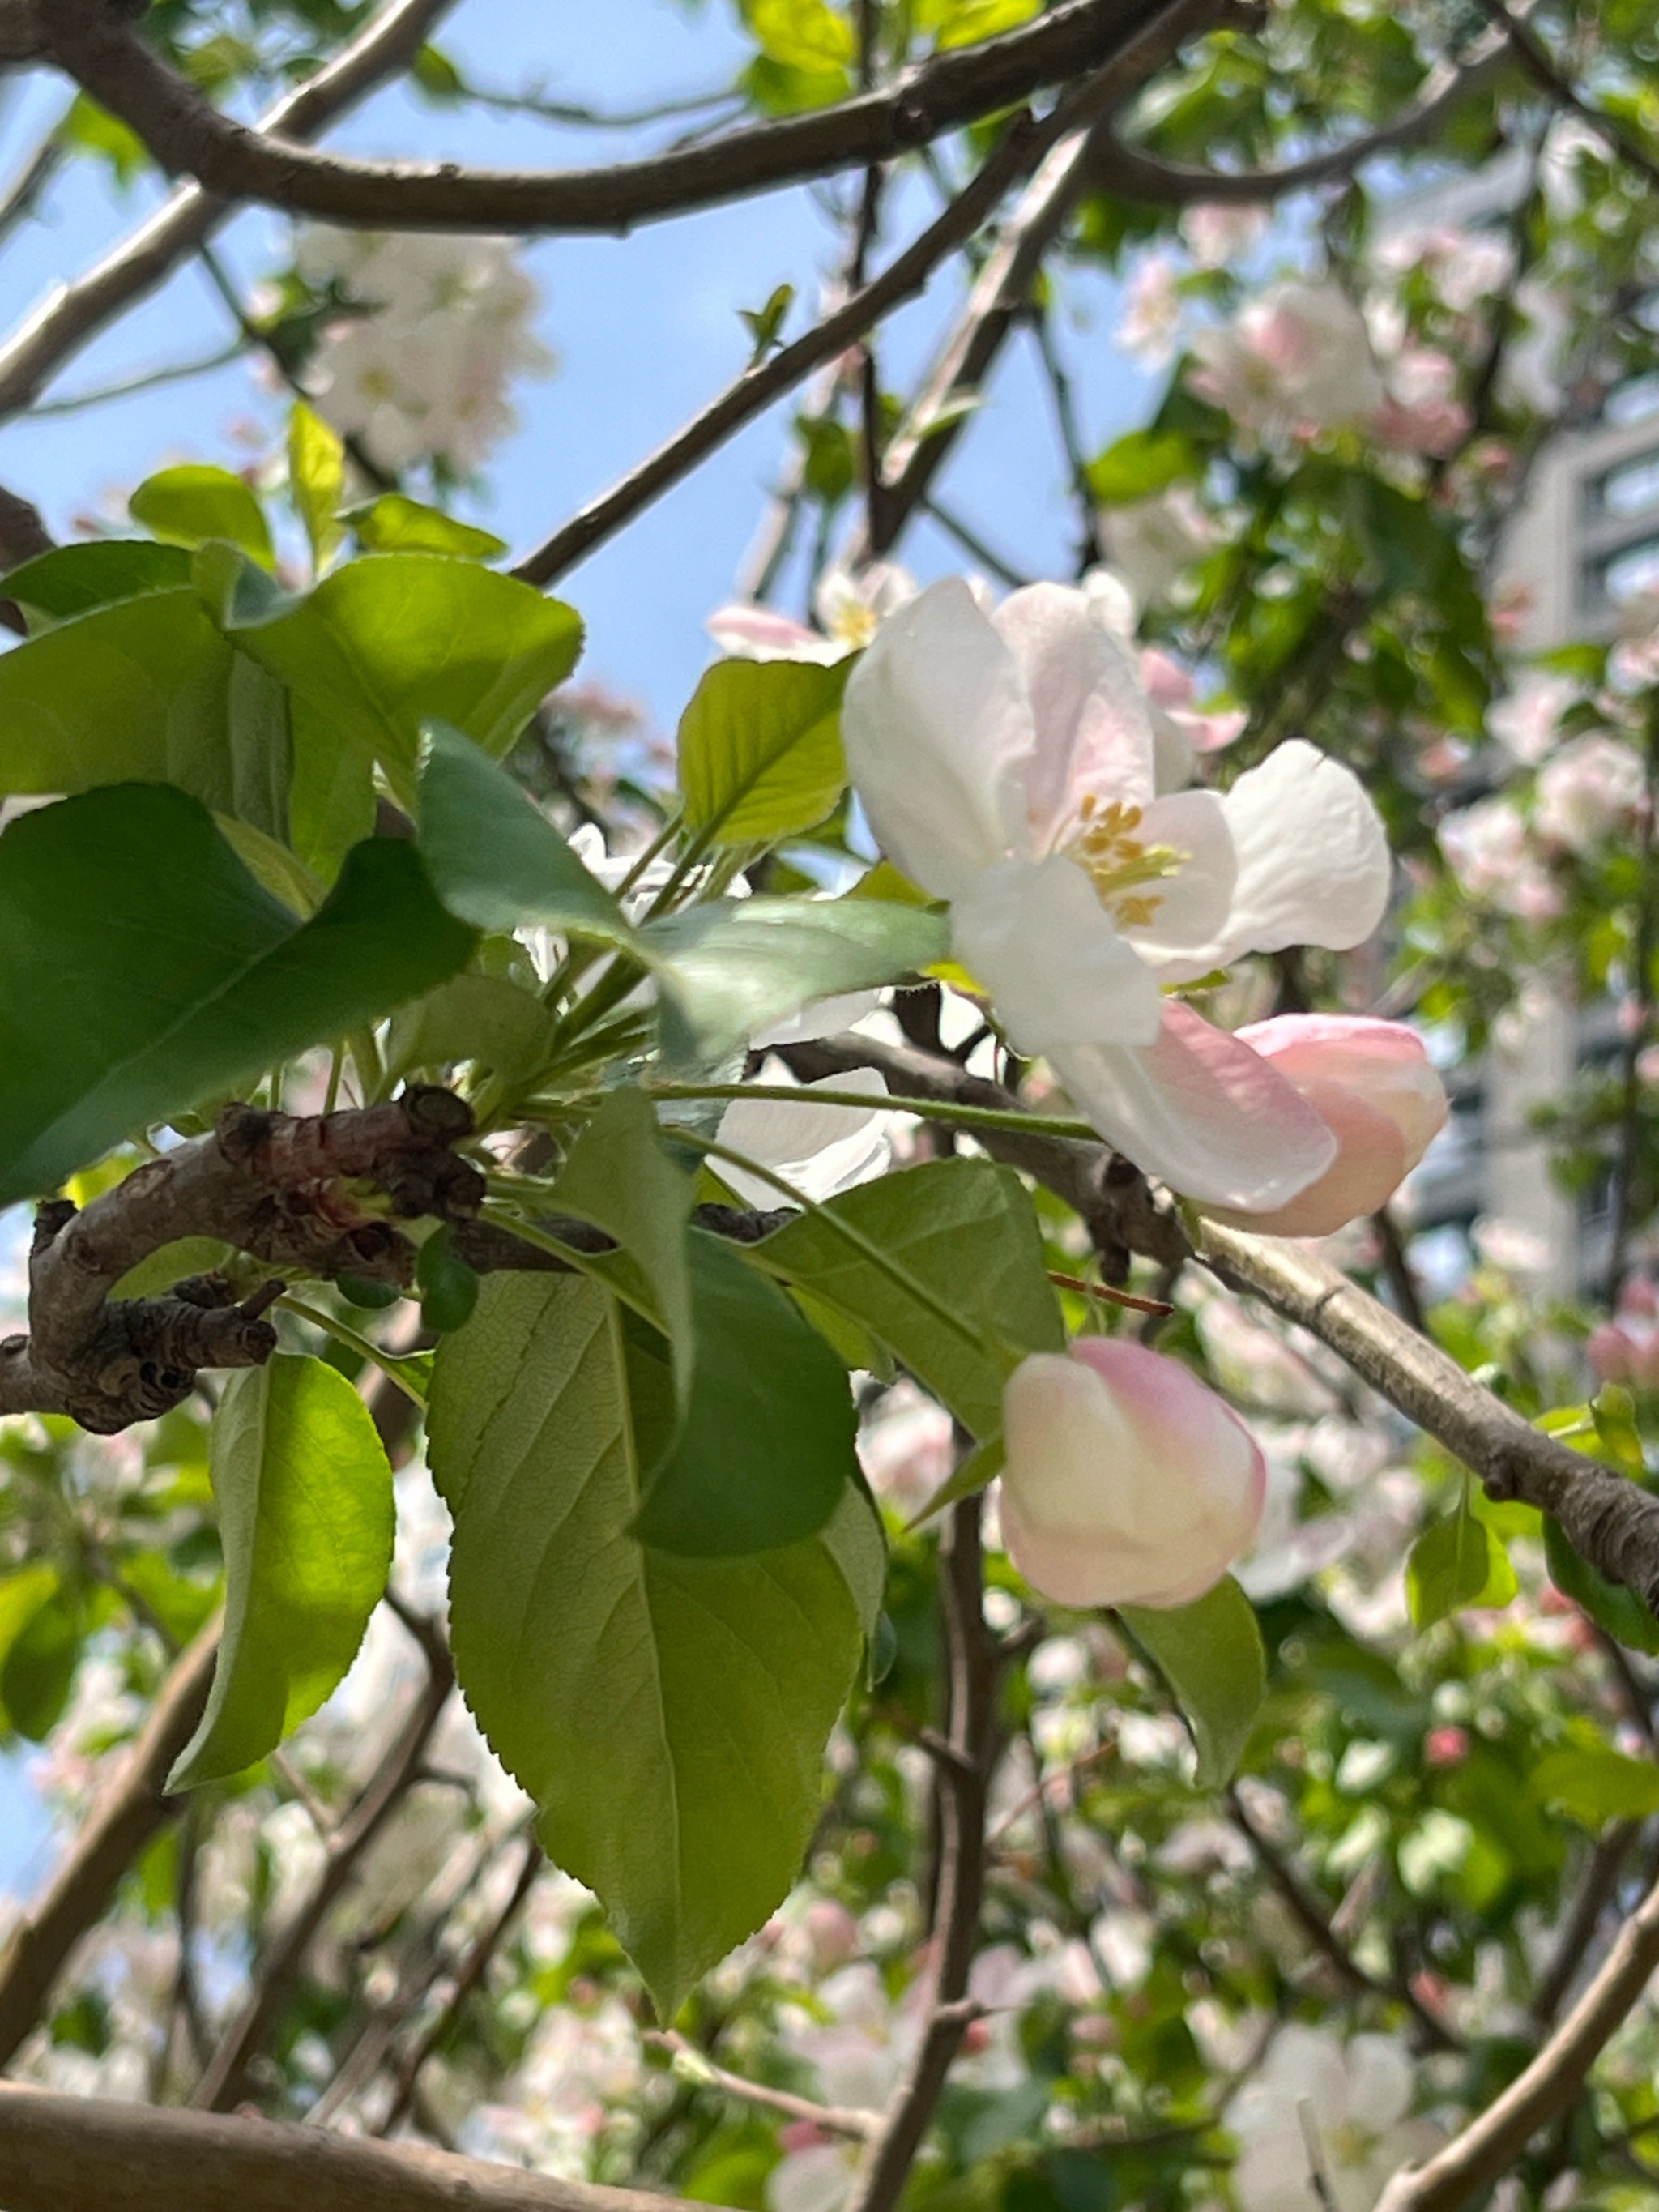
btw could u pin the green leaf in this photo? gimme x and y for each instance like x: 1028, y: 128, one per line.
x: 767, y: 1444
x: 730, y: 967
x: 1610, y: 1605
x: 22, y: 1597
x: 193, y: 504
x: 1613, y: 1411
x: 963, y: 1231
x: 72, y: 579
x: 39, y: 1672
x: 478, y: 1018
x: 667, y: 1714
x: 145, y: 689
x: 396, y: 640
x: 806, y: 34
x: 1596, y: 1786
x: 1140, y: 464
x: 978, y: 1472
x: 965, y: 23
x: 760, y: 750
x: 1210, y: 1654
x: 766, y: 323
x: 127, y: 910
x: 316, y: 479
x: 1456, y: 1563
x: 91, y: 129
x: 306, y: 1515
x: 394, y: 523
x: 620, y: 1177
x: 495, y: 858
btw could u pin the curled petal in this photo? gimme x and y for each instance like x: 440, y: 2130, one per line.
x: 1313, y: 860
x: 1202, y: 1112
x: 1035, y: 935
x: 939, y: 732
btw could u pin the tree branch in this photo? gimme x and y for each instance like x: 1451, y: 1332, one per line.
x: 834, y: 2119
x: 225, y: 2082
x: 965, y: 1782
x: 267, y: 1183
x: 1550, y: 2086
x: 128, y: 1811
x: 93, y: 2154
x: 189, y: 136
x: 1310, y: 1913
x: 757, y: 387
x: 1536, y: 59
x: 72, y: 314
x: 1607, y: 1519
x: 1128, y: 173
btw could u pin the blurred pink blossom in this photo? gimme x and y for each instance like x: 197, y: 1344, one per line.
x: 1152, y: 317
x: 1487, y: 849
x: 1215, y: 233
x: 1589, y: 790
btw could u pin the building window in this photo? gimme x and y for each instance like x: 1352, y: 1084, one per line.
x: 1631, y: 489
x: 1616, y: 578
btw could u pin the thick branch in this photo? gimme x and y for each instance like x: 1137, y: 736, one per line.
x: 268, y: 1184
x: 91, y: 2154
x: 72, y: 314
x: 129, y: 1810
x: 189, y: 136
x: 1472, y: 2161
x: 1608, y: 1519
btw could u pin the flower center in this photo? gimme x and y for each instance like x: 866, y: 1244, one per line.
x: 1118, y: 863
x: 854, y: 624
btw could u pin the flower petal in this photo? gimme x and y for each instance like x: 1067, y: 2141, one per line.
x: 1035, y: 936
x: 1202, y: 1112
x: 821, y: 1149
x: 1313, y: 860
x: 1094, y: 727
x: 1194, y: 904
x: 937, y: 733
x: 752, y: 632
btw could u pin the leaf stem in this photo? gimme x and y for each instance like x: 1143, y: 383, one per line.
x: 928, y: 1109
x: 343, y: 1333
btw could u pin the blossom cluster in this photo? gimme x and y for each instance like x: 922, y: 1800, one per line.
x: 430, y: 332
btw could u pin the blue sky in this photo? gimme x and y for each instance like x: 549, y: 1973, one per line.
x: 646, y: 329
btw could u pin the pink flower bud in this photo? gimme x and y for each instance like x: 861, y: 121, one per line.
x: 1128, y: 1481
x: 1446, y: 1746
x: 1382, y: 1101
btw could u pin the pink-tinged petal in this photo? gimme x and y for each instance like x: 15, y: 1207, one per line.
x: 1313, y: 860
x: 1035, y: 936
x: 1193, y: 904
x: 1202, y: 1112
x: 1094, y: 728
x: 753, y: 633
x: 1127, y: 1481
x: 938, y: 735
x: 1212, y: 733
x: 1385, y: 1063
x: 1380, y: 1096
